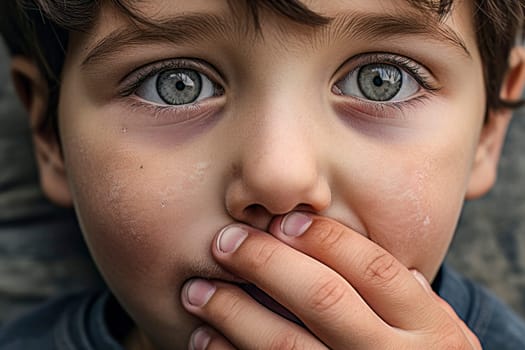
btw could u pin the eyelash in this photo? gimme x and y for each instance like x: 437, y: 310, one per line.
x: 131, y: 84
x: 135, y: 79
x: 416, y: 70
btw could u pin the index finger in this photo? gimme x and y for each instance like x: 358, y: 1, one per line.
x: 386, y: 285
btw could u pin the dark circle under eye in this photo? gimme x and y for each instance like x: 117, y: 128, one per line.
x: 179, y: 86
x: 379, y: 82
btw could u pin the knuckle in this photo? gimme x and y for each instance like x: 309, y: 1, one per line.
x: 326, y: 295
x: 287, y: 340
x: 382, y: 270
x: 329, y: 235
x: 456, y: 340
x: 453, y: 343
x: 262, y: 256
x: 450, y: 336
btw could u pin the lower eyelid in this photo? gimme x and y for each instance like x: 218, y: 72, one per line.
x: 148, y: 114
x: 355, y: 107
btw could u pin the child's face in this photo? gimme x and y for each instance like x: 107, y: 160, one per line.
x: 283, y: 120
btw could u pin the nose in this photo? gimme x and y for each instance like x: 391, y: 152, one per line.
x: 279, y: 167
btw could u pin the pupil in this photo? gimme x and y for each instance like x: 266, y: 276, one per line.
x: 180, y: 85
x: 378, y: 81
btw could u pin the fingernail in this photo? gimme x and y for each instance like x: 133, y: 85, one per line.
x: 199, y: 292
x: 295, y: 224
x: 200, y: 339
x: 231, y: 238
x: 422, y: 280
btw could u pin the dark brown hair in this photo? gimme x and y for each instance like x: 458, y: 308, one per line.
x: 39, y: 29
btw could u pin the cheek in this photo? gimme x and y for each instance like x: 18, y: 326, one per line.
x: 409, y: 201
x: 142, y: 212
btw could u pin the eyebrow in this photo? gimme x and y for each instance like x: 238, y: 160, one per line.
x: 179, y: 30
x: 371, y: 27
x: 198, y: 27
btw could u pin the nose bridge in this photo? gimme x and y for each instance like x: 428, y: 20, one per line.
x: 284, y: 135
x: 282, y: 153
x: 280, y: 165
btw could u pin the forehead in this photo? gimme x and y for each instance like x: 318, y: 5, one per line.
x: 201, y: 20
x: 237, y: 10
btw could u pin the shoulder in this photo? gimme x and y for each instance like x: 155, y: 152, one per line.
x: 51, y: 326
x: 495, y: 324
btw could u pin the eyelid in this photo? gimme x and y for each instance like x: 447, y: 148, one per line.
x: 418, y: 71
x: 130, y: 83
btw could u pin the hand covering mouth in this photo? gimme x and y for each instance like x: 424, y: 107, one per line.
x: 267, y: 301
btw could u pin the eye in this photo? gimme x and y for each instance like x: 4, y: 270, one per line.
x: 378, y: 82
x: 179, y: 86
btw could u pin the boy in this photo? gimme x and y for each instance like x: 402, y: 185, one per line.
x: 322, y: 150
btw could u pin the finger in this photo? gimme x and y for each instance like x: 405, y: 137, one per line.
x: 467, y: 332
x: 320, y: 297
x: 386, y: 285
x: 205, y: 338
x: 241, y: 320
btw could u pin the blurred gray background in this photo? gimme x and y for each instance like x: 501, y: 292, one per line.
x: 41, y: 249
x: 42, y: 253
x: 489, y: 245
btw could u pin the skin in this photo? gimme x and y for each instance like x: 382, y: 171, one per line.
x: 380, y: 189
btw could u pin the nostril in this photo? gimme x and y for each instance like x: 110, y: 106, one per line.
x: 305, y: 207
x: 257, y: 216
x: 254, y: 209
